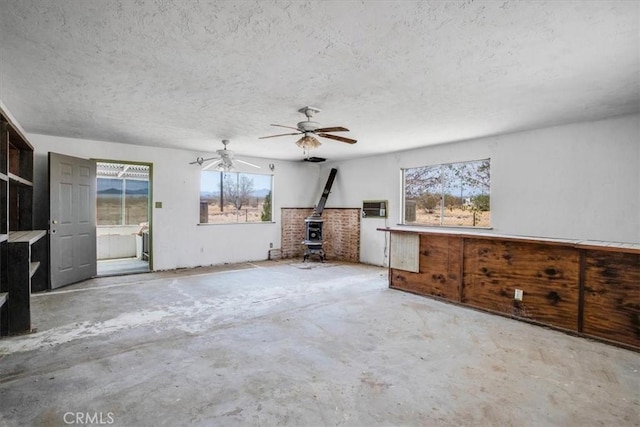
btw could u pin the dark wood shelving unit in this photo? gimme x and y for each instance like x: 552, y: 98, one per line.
x: 24, y: 257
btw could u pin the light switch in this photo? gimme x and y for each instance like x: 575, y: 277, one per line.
x: 158, y: 205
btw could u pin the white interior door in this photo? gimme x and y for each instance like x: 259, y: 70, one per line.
x: 72, y: 221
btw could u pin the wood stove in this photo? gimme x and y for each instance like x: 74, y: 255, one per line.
x: 313, y: 224
x: 313, y: 237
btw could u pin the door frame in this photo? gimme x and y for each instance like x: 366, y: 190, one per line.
x: 150, y: 203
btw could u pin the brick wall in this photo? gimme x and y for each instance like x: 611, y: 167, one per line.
x: 341, y: 230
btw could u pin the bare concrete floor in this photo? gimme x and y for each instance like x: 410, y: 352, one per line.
x: 285, y: 343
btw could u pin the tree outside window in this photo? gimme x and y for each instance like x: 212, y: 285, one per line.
x: 232, y: 197
x: 452, y: 194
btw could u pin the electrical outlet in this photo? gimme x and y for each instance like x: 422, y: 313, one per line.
x: 271, y: 245
x: 518, y: 295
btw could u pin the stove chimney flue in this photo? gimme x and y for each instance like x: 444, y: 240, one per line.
x: 314, y: 223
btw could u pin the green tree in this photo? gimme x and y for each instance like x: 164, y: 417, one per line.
x: 482, y: 202
x: 266, y: 208
x: 450, y: 200
x: 428, y: 202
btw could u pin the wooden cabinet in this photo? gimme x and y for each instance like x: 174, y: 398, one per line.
x: 587, y: 288
x: 23, y: 252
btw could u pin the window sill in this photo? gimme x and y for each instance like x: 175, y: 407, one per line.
x: 204, y: 224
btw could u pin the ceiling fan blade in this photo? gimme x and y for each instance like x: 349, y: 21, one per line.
x: 333, y: 129
x: 288, y: 127
x: 282, y: 134
x: 338, y: 138
x: 247, y: 163
x: 212, y: 164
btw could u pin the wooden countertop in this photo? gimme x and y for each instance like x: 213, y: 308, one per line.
x: 577, y: 243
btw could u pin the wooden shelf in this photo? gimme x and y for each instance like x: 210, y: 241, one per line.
x: 30, y: 236
x: 4, y: 237
x: 4, y: 177
x: 3, y: 298
x: 19, y: 180
x: 18, y: 138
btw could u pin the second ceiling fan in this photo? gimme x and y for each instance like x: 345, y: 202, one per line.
x: 310, y: 129
x: 224, y: 162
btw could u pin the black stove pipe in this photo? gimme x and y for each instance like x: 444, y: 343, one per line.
x: 325, y: 194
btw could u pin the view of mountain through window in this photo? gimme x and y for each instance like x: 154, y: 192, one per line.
x: 122, y: 201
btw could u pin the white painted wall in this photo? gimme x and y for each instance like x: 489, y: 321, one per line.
x: 578, y: 181
x: 177, y: 239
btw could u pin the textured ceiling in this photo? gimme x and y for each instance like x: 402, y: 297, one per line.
x: 398, y: 74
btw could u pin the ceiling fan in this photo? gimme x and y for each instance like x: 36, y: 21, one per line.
x: 224, y: 162
x: 309, y: 129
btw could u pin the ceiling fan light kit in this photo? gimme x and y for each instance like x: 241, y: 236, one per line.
x: 308, y: 142
x: 223, y: 165
x: 310, y: 129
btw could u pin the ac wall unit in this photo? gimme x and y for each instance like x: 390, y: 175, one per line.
x: 374, y: 208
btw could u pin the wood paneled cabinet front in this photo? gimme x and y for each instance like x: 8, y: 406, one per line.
x: 588, y: 288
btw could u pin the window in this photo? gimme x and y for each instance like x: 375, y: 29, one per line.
x: 122, y: 201
x: 232, y: 197
x: 453, y: 194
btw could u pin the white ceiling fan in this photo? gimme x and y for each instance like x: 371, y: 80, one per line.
x: 225, y: 162
x: 309, y: 129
